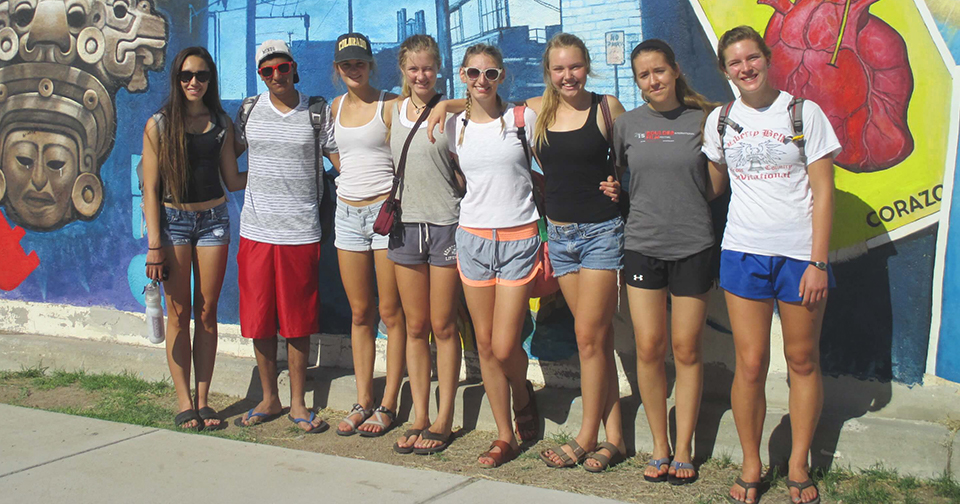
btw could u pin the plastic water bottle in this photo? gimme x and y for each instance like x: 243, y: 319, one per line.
x: 151, y: 297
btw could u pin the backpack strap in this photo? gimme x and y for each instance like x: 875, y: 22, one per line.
x: 725, y: 121
x: 608, y: 122
x: 402, y: 162
x: 317, y: 105
x: 246, y: 106
x: 518, y: 111
x: 796, y: 116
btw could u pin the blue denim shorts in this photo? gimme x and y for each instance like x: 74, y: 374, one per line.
x: 206, y: 228
x: 593, y: 245
x: 354, y: 228
x: 755, y: 276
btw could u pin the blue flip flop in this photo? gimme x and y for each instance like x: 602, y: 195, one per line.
x: 657, y: 463
x: 314, y: 429
x: 266, y: 417
x: 675, y: 480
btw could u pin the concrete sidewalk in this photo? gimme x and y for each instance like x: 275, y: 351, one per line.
x: 51, y: 457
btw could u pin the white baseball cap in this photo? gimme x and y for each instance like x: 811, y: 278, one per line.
x: 272, y: 47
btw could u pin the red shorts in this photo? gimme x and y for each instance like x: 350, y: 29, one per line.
x: 279, y: 289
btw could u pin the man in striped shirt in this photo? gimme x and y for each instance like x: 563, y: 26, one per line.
x: 279, y: 256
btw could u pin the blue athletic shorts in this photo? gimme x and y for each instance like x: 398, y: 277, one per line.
x: 755, y: 276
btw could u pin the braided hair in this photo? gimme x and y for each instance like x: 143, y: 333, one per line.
x: 495, y: 55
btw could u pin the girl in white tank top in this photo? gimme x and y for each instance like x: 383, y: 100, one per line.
x: 366, y: 176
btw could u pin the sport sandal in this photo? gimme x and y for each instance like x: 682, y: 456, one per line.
x: 803, y: 485
x: 364, y: 415
x: 615, y: 457
x: 377, y: 419
x: 675, y: 480
x: 656, y: 463
x: 746, y: 489
x: 529, y: 429
x: 565, y: 460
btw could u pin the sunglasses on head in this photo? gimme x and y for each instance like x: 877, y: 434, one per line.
x: 284, y: 68
x: 186, y: 76
x: 491, y: 74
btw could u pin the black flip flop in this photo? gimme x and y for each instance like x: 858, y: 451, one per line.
x: 802, y: 485
x: 676, y: 481
x: 746, y: 487
x: 656, y: 463
x: 208, y: 413
x: 405, y: 450
x: 184, y: 417
x: 432, y: 436
x: 265, y: 417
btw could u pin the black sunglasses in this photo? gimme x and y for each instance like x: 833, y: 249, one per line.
x: 187, y: 76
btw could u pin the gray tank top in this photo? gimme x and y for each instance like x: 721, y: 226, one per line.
x: 427, y: 193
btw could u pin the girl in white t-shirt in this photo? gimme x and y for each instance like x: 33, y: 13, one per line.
x: 366, y: 176
x: 775, y: 248
x: 497, y: 244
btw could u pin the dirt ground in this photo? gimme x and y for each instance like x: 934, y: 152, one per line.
x: 623, y: 482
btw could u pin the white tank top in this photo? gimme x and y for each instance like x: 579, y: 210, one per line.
x: 366, y: 163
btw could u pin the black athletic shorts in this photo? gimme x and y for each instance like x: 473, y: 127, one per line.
x: 690, y: 276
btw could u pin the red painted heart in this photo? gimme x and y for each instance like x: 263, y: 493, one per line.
x: 852, y: 64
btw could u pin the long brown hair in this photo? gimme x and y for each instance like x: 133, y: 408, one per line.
x: 739, y: 34
x: 413, y: 44
x: 174, y: 164
x: 497, y: 56
x: 685, y: 94
x: 551, y: 95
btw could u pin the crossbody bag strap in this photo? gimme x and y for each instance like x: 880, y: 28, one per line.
x: 402, y: 163
x: 608, y: 122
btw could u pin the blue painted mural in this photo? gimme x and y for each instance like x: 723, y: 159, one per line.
x: 80, y: 240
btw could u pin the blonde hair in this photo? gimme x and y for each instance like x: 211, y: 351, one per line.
x: 551, y: 95
x: 739, y: 34
x: 415, y: 44
x: 495, y: 55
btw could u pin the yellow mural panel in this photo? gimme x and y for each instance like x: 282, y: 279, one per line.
x: 873, y: 196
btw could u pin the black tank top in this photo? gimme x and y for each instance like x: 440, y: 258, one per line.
x: 574, y: 163
x: 203, y: 174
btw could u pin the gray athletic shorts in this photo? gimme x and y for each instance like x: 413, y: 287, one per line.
x: 423, y: 243
x: 506, y: 256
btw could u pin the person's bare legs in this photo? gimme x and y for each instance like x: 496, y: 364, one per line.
x: 413, y: 283
x: 688, y: 315
x: 750, y: 321
x: 592, y: 297
x: 497, y: 313
x: 209, y: 265
x: 265, y: 350
x: 298, y: 355
x: 648, y: 310
x: 357, y: 274
x: 177, y: 291
x: 391, y: 312
x: 801, y: 347
x: 444, y: 303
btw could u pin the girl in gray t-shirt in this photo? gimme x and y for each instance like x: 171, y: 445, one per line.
x: 668, y: 242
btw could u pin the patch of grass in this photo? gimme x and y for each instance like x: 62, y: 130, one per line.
x: 24, y: 373
x: 560, y: 437
x: 880, y: 473
x: 722, y: 460
x: 907, y: 484
x: 946, y: 486
x: 865, y: 491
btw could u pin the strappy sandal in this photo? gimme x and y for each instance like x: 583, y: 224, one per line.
x: 531, y: 426
x: 676, y: 481
x: 615, y: 457
x: 746, y: 487
x: 506, y: 454
x: 405, y: 450
x: 208, y: 413
x: 566, y: 460
x: 656, y: 463
x: 801, y: 486
x: 364, y: 415
x: 433, y: 436
x: 376, y: 419
x: 186, y: 416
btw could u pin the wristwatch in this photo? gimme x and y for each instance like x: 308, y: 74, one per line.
x: 820, y: 265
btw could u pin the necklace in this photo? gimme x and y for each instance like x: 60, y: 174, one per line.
x: 417, y: 109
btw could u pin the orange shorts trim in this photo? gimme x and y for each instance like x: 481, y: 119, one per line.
x: 521, y: 232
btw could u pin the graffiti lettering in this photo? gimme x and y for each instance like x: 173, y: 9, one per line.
x: 901, y: 208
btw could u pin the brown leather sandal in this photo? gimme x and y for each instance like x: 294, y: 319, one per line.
x: 566, y: 460
x: 506, y: 454
x: 528, y: 430
x: 615, y: 457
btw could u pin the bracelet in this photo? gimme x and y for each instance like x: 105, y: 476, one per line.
x: 154, y: 264
x: 154, y: 248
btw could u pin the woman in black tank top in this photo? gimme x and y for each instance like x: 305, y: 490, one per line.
x: 586, y: 236
x: 187, y: 151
